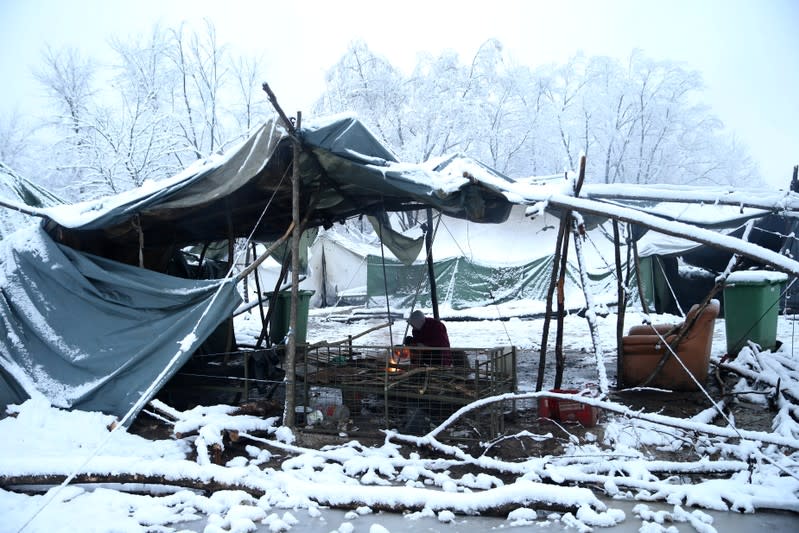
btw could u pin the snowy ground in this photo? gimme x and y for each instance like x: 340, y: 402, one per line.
x: 734, y: 470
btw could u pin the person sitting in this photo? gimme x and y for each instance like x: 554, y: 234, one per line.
x: 432, y: 333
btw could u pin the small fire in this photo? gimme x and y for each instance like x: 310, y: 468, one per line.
x: 399, y: 356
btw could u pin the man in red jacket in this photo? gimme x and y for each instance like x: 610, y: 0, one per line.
x: 429, y: 332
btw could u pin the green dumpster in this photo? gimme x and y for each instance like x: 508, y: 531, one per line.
x: 281, y: 316
x: 751, y: 308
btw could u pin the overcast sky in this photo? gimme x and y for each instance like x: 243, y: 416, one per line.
x: 746, y: 50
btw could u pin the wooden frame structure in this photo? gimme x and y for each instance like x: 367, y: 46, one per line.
x: 379, y: 386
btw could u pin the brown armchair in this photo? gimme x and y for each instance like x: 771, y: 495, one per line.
x: 642, y: 350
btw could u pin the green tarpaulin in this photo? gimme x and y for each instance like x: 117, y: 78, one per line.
x: 461, y: 282
x: 90, y: 333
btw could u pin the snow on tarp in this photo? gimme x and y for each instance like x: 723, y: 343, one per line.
x: 90, y: 333
x: 345, y: 170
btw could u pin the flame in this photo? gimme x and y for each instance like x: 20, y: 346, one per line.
x: 398, y: 356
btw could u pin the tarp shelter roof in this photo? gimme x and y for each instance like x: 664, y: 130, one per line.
x: 344, y: 172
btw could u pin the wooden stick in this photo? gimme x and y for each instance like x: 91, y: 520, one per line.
x: 258, y: 288
x: 273, y: 99
x: 621, y: 304
x: 491, y: 507
x: 553, y: 280
x: 264, y: 256
x: 566, y: 220
x: 21, y: 208
x: 350, y: 338
x: 291, y: 348
x: 560, y: 360
x: 284, y: 265
x: 146, y: 479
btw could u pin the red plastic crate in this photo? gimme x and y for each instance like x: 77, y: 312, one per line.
x: 567, y: 410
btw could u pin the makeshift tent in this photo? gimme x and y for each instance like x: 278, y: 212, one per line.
x: 676, y: 272
x: 474, y: 266
x: 343, y: 172
x: 337, y: 268
x: 86, y: 327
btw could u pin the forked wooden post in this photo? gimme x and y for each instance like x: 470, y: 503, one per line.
x: 291, y: 346
x: 548, y: 309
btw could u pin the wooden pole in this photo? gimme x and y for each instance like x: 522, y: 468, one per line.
x: 560, y: 359
x: 542, y: 359
x: 291, y: 349
x: 231, y: 255
x: 553, y: 281
x: 578, y: 231
x: 621, y: 306
x: 566, y: 221
x: 284, y: 267
x: 428, y: 241
x: 245, y: 282
x: 24, y: 209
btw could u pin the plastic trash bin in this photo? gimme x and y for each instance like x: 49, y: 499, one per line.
x: 751, y: 308
x: 281, y: 316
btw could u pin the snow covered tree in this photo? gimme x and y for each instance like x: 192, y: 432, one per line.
x: 369, y: 84
x: 637, y: 121
x: 167, y: 99
x: 67, y: 78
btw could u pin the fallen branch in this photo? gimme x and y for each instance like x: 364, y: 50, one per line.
x: 500, y: 503
x: 207, y: 486
x: 678, y: 423
x: 759, y: 377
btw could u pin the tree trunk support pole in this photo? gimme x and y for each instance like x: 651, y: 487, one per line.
x: 568, y: 220
x: 291, y: 347
x: 565, y: 221
x: 578, y: 232
x: 548, y: 309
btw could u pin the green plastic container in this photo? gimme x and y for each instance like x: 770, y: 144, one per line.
x: 751, y: 308
x: 280, y: 319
